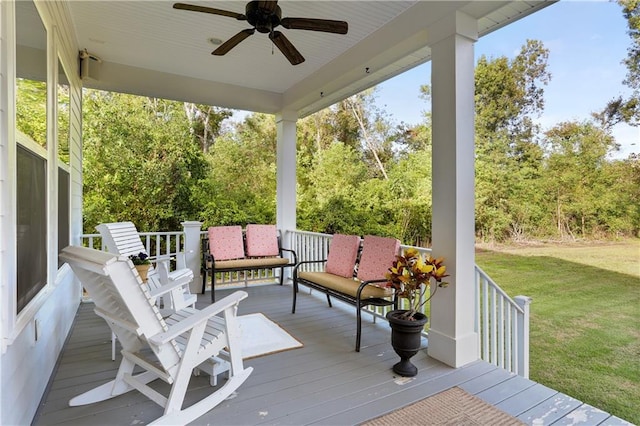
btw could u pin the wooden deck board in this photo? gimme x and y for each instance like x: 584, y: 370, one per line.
x: 522, y: 401
x: 324, y: 382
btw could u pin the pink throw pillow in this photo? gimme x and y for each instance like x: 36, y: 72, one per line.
x: 225, y: 242
x: 343, y: 252
x: 262, y: 240
x: 378, y: 254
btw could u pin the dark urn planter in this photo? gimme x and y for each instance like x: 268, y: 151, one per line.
x: 406, y: 336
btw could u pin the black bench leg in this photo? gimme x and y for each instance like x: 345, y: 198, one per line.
x: 359, y: 325
x: 213, y: 286
x: 329, y: 300
x: 295, y: 295
x: 282, y: 275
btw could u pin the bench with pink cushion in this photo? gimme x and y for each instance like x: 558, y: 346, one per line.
x: 354, y: 272
x: 229, y: 249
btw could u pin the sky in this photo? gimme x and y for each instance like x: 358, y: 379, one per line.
x: 587, y: 41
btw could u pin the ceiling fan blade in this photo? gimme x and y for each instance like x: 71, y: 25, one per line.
x: 233, y: 42
x: 323, y: 25
x: 287, y: 49
x: 268, y: 5
x: 196, y: 8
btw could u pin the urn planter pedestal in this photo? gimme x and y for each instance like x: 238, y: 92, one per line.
x: 406, y: 336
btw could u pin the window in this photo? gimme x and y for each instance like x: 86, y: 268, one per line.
x: 63, y: 210
x: 32, y: 225
x: 31, y: 161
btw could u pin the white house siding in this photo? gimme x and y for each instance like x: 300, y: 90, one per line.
x: 32, y: 341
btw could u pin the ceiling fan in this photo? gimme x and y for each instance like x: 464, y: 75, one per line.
x: 265, y: 16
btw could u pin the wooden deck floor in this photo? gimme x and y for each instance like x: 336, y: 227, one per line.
x: 326, y: 382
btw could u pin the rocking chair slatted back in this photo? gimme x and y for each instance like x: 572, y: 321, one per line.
x: 123, y: 238
x: 118, y: 303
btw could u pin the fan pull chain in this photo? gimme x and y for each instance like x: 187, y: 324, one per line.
x: 271, y: 38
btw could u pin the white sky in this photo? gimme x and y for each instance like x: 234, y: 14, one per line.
x: 587, y: 42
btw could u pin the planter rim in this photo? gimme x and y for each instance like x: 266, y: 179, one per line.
x: 419, y: 317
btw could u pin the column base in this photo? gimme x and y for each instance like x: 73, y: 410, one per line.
x: 451, y: 351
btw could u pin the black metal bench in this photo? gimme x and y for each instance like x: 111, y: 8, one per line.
x: 358, y: 285
x: 242, y: 260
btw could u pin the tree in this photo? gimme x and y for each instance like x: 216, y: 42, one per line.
x: 578, y: 180
x: 241, y: 187
x: 619, y: 109
x: 140, y: 162
x: 507, y: 93
x: 205, y: 122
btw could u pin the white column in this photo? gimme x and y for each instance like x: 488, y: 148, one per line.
x: 286, y: 171
x: 286, y: 178
x: 452, y: 336
x: 192, y: 252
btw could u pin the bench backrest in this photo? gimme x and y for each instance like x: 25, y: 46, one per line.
x: 113, y: 284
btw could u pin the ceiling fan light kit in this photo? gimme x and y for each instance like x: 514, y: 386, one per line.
x: 264, y: 16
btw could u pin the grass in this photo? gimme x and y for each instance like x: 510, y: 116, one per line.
x: 585, y: 317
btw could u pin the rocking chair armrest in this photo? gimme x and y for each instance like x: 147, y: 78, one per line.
x: 192, y: 321
x: 166, y: 288
x: 179, y: 257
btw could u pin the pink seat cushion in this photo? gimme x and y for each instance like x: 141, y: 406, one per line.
x: 262, y: 240
x: 225, y: 242
x: 378, y: 254
x: 343, y: 252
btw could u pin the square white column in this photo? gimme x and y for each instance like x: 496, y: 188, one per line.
x: 452, y: 336
x: 286, y: 170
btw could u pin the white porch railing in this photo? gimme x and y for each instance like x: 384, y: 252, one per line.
x: 156, y: 243
x: 502, y: 323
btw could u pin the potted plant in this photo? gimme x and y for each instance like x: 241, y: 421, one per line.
x: 142, y: 263
x: 411, y: 276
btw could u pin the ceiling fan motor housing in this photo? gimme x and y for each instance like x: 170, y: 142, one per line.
x: 263, y: 19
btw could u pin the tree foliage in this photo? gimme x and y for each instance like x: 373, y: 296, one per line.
x: 140, y: 162
x: 619, y: 109
x: 159, y: 162
x: 31, y: 109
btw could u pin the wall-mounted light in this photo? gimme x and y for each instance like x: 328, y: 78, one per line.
x: 89, y: 65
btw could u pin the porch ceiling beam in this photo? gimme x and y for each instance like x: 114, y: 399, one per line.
x: 145, y: 82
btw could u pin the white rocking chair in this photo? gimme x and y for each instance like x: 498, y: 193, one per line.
x: 167, y: 350
x: 169, y: 287
x: 123, y: 238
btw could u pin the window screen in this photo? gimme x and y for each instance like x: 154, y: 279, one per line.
x: 32, y: 225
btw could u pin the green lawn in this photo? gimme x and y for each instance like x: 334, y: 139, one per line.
x: 585, y: 317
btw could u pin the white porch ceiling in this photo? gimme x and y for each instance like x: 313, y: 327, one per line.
x: 149, y: 48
